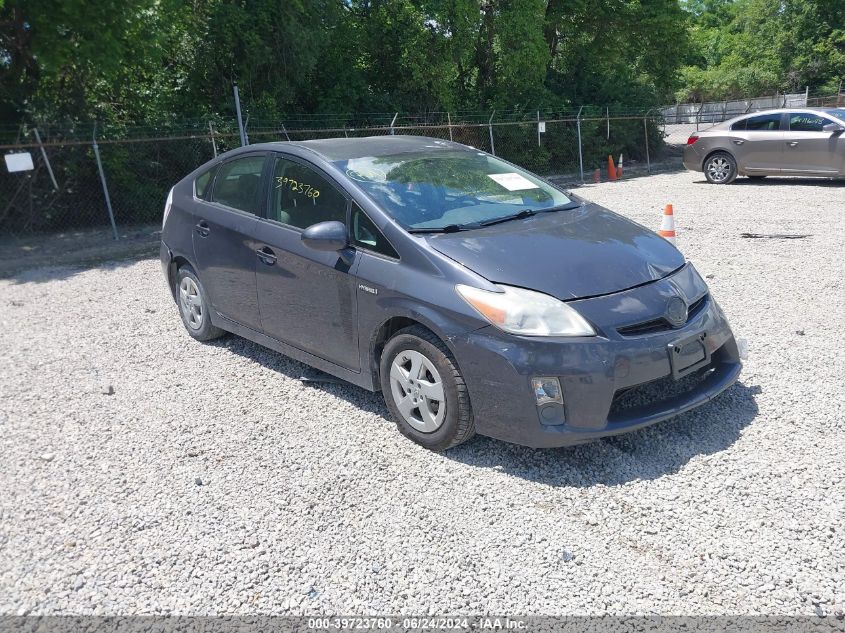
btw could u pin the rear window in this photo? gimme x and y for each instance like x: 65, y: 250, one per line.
x: 764, y: 123
x: 740, y: 125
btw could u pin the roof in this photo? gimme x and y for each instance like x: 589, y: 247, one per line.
x: 333, y: 149
x: 817, y: 109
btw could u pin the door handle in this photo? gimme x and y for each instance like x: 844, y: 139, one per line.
x: 738, y: 141
x: 792, y: 143
x: 202, y: 228
x: 266, y: 255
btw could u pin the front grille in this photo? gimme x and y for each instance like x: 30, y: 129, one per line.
x: 657, y: 391
x: 660, y: 324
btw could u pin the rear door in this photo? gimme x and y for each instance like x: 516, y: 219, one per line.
x: 757, y: 143
x: 307, y: 297
x: 808, y: 149
x: 224, y: 246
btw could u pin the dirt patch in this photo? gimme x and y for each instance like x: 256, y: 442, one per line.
x: 81, y: 247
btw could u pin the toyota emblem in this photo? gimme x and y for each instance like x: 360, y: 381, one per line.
x: 676, y: 312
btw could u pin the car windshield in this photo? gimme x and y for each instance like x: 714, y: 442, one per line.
x: 450, y: 189
x: 839, y: 113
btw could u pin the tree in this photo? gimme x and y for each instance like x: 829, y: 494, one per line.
x: 751, y: 47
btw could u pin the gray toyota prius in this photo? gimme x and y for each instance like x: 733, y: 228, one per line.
x: 477, y: 297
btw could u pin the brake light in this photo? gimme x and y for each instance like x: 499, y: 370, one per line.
x: 692, y: 139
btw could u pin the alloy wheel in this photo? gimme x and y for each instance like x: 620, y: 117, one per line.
x: 417, y: 390
x: 719, y: 169
x: 190, y: 301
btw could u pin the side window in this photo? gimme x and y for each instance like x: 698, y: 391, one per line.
x: 807, y: 122
x: 202, y: 182
x: 764, y: 123
x: 301, y: 197
x: 739, y: 125
x: 366, y: 235
x: 237, y: 183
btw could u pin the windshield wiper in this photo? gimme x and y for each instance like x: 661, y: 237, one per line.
x: 563, y: 207
x: 449, y: 228
x: 525, y: 213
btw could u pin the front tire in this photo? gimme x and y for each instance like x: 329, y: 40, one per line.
x: 425, y: 391
x: 720, y: 168
x: 193, y: 306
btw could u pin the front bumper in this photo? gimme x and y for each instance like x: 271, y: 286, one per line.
x: 597, y: 373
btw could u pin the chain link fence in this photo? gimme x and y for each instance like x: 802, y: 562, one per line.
x: 119, y: 178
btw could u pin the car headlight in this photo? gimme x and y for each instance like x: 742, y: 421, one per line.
x: 526, y: 312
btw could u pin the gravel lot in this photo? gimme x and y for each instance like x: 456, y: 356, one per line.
x: 142, y: 472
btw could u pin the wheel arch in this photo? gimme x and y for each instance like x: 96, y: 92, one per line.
x: 719, y: 150
x: 389, y: 327
x: 176, y: 262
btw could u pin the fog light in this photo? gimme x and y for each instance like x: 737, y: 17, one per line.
x: 547, y: 390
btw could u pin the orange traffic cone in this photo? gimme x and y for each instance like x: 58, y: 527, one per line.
x: 611, y: 170
x: 619, y: 167
x: 597, y: 176
x: 667, y: 228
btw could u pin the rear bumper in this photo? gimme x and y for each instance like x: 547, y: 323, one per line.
x: 166, y: 257
x: 607, y: 381
x: 692, y: 160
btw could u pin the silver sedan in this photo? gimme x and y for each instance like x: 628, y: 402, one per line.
x: 786, y: 142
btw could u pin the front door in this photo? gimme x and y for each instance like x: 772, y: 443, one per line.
x: 808, y: 148
x: 307, y: 298
x: 758, y: 144
x: 223, y: 244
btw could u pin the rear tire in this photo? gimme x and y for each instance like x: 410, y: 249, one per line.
x: 720, y: 168
x: 425, y: 391
x: 193, y: 306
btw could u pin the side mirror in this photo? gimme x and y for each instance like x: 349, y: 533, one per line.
x: 833, y: 128
x: 326, y: 236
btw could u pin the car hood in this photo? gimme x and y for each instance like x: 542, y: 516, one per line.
x: 572, y: 254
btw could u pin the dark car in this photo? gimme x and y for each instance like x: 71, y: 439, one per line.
x: 476, y: 296
x: 786, y: 142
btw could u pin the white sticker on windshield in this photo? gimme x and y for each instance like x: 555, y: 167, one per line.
x: 513, y: 181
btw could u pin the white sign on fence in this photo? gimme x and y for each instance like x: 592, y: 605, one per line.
x: 541, y: 127
x: 21, y: 161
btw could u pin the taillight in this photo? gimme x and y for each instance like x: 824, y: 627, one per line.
x: 692, y: 139
x: 167, y: 206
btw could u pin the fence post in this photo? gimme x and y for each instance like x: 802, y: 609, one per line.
x: 538, y: 128
x: 287, y: 136
x: 580, y: 151
x: 490, y: 128
x: 608, y: 125
x: 213, y: 142
x: 238, y: 112
x: 806, y: 96
x: 449, y: 123
x: 103, y: 181
x: 46, y: 160
x: 645, y: 130
x: 392, y: 123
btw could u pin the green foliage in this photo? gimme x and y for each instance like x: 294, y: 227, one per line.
x: 121, y: 61
x: 753, y: 47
